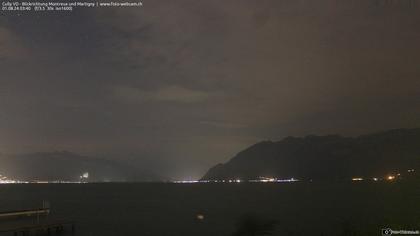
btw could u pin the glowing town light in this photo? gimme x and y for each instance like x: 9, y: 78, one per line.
x: 187, y: 181
x: 286, y: 180
x: 84, y: 177
x: 390, y: 177
x: 410, y: 170
x: 267, y: 179
x: 6, y: 180
x: 357, y: 179
x: 375, y: 179
x: 200, y: 217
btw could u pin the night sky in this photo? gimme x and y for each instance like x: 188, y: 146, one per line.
x: 178, y: 86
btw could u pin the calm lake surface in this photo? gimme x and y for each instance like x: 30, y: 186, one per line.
x: 172, y: 209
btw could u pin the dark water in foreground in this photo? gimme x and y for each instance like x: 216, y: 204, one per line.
x: 171, y: 209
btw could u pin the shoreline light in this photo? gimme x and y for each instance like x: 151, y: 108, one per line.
x: 234, y: 181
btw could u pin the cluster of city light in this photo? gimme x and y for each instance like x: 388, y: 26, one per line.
x: 259, y: 180
x: 6, y: 180
x: 55, y: 182
x: 361, y: 179
x: 273, y: 180
x: 227, y: 181
x: 262, y: 179
x: 188, y: 181
x: 390, y: 177
x: 206, y: 181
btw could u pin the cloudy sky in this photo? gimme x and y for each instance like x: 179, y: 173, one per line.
x: 178, y: 86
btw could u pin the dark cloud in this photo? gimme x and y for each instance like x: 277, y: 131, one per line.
x: 181, y: 85
x: 165, y: 94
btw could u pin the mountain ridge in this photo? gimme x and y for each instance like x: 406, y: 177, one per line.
x: 325, y: 157
x: 69, y: 166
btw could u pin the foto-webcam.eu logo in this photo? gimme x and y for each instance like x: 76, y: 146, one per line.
x: 386, y: 231
x: 389, y: 231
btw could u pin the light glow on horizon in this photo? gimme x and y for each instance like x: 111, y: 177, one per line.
x: 233, y: 181
x: 390, y: 177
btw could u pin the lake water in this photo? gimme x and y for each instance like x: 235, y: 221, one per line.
x: 172, y: 209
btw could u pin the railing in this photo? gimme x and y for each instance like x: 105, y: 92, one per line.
x: 25, y: 213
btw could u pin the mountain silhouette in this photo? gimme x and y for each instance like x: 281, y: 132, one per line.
x: 326, y: 157
x: 68, y: 166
